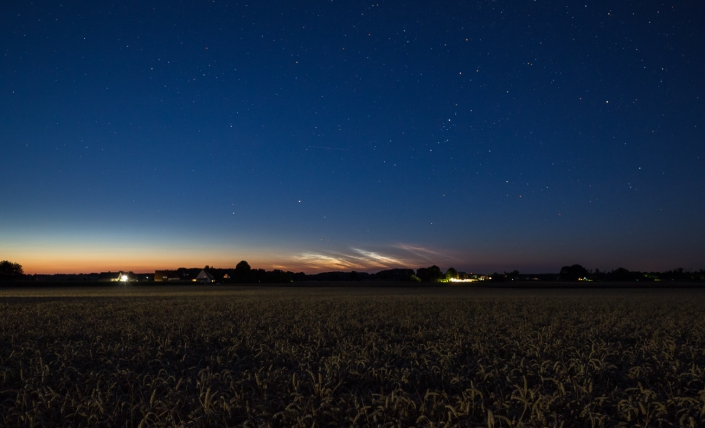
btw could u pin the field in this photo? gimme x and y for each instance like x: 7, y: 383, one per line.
x: 246, y: 356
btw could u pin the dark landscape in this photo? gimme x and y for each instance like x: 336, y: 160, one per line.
x: 351, y: 356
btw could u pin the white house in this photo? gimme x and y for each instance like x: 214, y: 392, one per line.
x: 205, y: 277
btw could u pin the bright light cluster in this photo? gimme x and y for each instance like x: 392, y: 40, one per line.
x: 463, y: 280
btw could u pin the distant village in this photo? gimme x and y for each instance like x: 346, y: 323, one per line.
x: 244, y: 274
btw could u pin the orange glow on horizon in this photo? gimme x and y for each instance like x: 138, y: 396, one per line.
x: 138, y: 261
x: 44, y: 265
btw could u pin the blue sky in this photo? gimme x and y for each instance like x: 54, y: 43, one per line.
x: 329, y: 135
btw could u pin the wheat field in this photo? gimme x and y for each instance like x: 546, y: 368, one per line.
x: 322, y: 357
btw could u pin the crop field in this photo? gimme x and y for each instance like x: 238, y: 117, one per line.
x: 322, y: 357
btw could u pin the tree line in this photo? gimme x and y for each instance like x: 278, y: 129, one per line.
x: 244, y: 273
x: 577, y: 272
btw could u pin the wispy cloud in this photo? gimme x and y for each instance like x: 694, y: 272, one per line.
x: 422, y: 252
x: 327, y: 261
x: 396, y: 256
x: 378, y: 259
x: 358, y: 259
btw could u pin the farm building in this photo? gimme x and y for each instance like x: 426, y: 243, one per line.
x: 205, y: 277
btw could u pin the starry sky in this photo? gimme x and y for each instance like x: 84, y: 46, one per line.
x: 343, y: 135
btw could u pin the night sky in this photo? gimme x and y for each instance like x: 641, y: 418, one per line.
x: 341, y: 135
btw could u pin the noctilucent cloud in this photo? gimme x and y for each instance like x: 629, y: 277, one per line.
x: 333, y: 135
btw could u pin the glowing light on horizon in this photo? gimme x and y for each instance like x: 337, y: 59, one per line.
x: 463, y: 280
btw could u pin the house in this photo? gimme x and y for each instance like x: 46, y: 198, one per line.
x: 205, y: 277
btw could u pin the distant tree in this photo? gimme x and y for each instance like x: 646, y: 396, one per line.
x: 572, y: 273
x: 430, y: 274
x: 393, y: 275
x: 677, y: 274
x: 278, y: 276
x: 451, y: 273
x: 243, y: 272
x: 621, y: 274
x: 512, y: 276
x: 243, y: 267
x: 257, y: 275
x: 10, y: 271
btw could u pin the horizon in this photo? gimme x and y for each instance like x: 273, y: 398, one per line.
x: 37, y: 262
x: 369, y: 271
